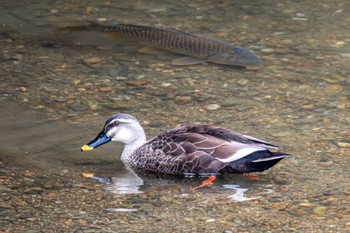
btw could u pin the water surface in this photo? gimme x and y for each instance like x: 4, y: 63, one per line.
x: 57, y: 89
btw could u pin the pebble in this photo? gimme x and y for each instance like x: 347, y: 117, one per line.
x: 93, y: 60
x: 343, y: 144
x: 242, y: 82
x: 274, y: 199
x: 28, y: 181
x: 347, y: 55
x: 210, y: 220
x: 306, y: 204
x: 320, y: 210
x: 166, y: 84
x: 121, y: 71
x: 3, y: 212
x: 33, y: 190
x: 105, y: 89
x: 22, y: 89
x: 118, y: 70
x: 17, y: 57
x: 308, y: 106
x: 334, y: 79
x: 333, y: 89
x: 137, y: 83
x: 61, y: 100
x: 302, y: 50
x: 183, y: 99
x: 92, y: 105
x: 81, y: 89
x: 77, y: 107
x: 212, y: 107
x: 283, y: 51
x: 4, y: 188
x: 31, y: 231
x: 267, y: 50
x: 230, y: 101
x: 341, y: 106
x: 123, y: 105
x: 281, y: 134
x: 6, y: 57
x: 157, y: 66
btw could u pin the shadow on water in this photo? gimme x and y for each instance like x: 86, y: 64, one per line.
x: 29, y: 139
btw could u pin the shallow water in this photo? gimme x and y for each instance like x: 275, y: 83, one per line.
x: 57, y: 89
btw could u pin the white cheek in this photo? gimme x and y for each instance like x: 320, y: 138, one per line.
x: 121, y: 135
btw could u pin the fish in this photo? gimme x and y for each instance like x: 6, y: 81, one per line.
x: 198, y: 49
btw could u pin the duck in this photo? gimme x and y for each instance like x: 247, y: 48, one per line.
x: 193, y: 149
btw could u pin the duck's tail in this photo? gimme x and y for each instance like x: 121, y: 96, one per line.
x: 256, y: 162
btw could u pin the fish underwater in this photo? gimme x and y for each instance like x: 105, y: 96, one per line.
x: 199, y: 49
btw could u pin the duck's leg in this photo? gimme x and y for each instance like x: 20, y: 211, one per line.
x: 207, y: 182
x: 251, y: 176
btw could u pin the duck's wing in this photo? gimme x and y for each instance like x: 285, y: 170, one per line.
x: 233, y: 136
x: 206, y: 149
x: 203, y: 140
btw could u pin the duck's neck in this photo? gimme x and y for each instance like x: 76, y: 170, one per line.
x: 131, y: 147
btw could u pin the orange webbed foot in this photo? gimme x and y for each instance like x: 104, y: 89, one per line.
x: 207, y: 182
x: 251, y: 176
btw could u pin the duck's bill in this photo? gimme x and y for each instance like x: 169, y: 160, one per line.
x: 101, y: 139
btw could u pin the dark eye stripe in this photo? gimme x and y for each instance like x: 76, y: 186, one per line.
x: 111, y: 125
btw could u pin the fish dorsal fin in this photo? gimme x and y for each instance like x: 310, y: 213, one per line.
x: 185, y: 61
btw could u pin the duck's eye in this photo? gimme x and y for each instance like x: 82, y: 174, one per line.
x: 116, y: 123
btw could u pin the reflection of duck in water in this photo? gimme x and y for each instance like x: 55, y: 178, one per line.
x: 196, y: 149
x: 129, y: 181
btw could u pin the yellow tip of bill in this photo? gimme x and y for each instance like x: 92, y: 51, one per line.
x: 86, y: 148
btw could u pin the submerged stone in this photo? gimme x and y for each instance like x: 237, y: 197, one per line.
x: 320, y: 210
x: 213, y: 107
x: 4, y: 189
x: 33, y: 190
x: 343, y: 144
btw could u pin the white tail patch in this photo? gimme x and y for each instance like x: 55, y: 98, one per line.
x: 268, y: 159
x: 240, y: 154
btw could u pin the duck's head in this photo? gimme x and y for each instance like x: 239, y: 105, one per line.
x: 119, y: 127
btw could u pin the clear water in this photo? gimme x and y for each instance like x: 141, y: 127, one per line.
x: 57, y: 89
